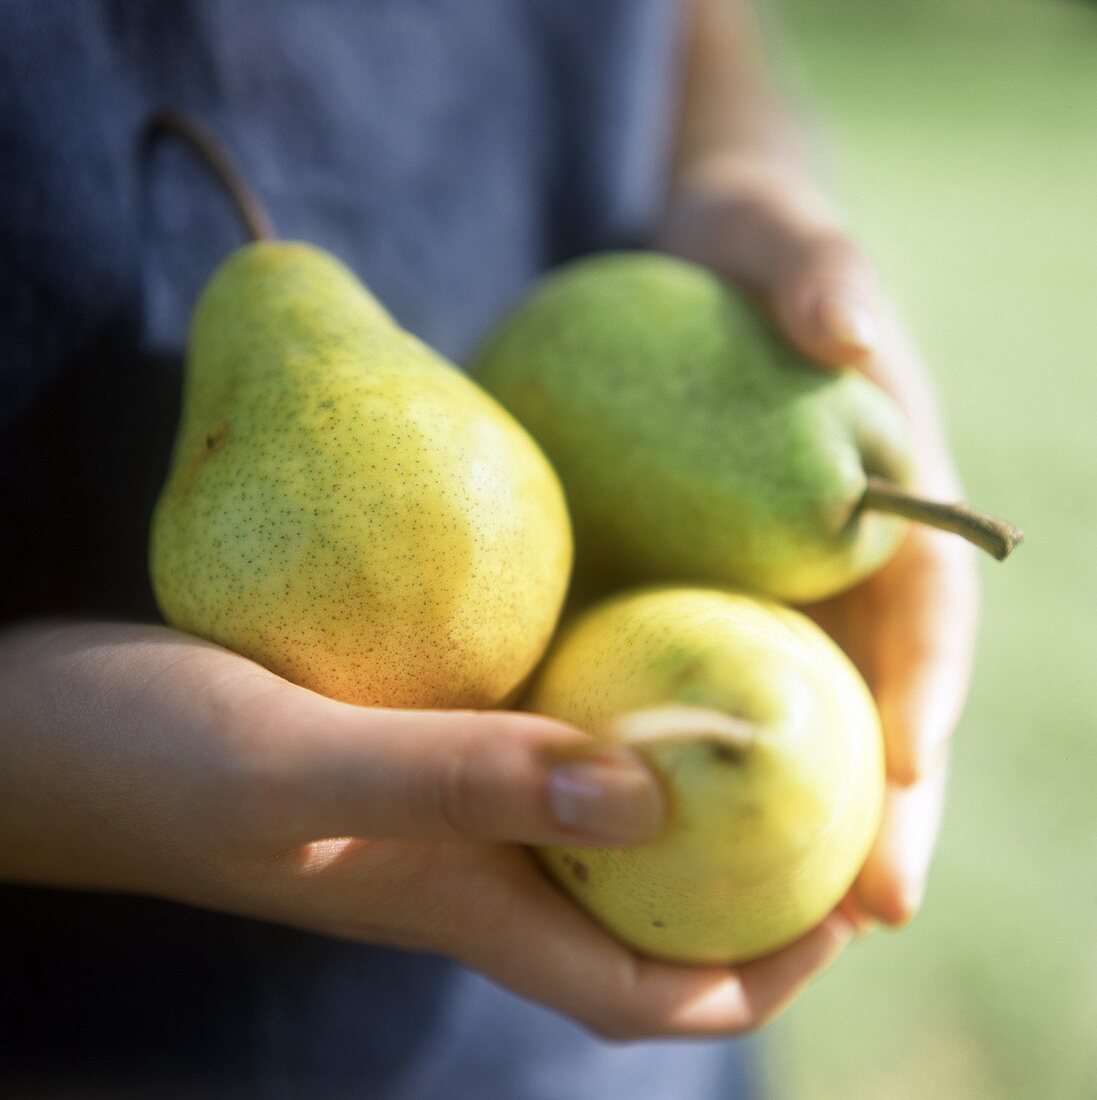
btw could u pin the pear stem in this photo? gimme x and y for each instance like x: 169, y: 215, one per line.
x: 209, y: 149
x: 995, y: 536
x: 679, y: 721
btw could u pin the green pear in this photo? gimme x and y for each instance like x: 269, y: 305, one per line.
x: 695, y: 445
x: 347, y: 508
x: 769, y: 749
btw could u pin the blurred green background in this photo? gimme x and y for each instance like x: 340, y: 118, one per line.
x: 962, y: 135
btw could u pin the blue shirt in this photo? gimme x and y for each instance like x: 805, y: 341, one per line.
x: 448, y: 151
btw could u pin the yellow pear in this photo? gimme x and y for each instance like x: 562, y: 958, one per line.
x: 347, y: 508
x: 769, y: 749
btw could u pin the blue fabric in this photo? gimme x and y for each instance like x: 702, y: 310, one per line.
x: 448, y: 151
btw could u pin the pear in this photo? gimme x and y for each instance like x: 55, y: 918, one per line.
x: 694, y: 445
x: 768, y: 745
x: 344, y: 506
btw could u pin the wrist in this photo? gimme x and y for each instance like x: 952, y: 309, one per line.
x: 723, y: 182
x: 99, y: 788
x: 728, y: 210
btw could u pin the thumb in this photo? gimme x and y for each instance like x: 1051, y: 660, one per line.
x: 780, y: 239
x: 332, y: 770
x: 823, y: 295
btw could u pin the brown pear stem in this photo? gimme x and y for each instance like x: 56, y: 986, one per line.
x: 995, y: 536
x: 212, y: 152
x: 679, y: 721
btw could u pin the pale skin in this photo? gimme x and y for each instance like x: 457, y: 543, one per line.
x: 137, y: 759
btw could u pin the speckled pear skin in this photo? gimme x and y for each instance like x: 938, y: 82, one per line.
x: 692, y: 443
x: 344, y: 506
x: 760, y: 843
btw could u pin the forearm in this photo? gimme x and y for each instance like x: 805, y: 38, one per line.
x: 83, y: 744
x: 36, y: 799
x: 734, y: 123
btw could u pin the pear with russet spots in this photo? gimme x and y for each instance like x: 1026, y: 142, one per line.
x: 769, y: 749
x: 344, y: 506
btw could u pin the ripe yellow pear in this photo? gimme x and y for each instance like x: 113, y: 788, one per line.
x: 347, y: 508
x: 769, y: 748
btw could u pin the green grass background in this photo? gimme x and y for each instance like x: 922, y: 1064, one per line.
x: 962, y: 135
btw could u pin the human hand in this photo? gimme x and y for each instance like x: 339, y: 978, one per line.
x: 910, y: 628
x: 141, y: 760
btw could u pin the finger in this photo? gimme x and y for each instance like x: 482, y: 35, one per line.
x: 863, y: 923
x: 785, y: 243
x: 324, y: 769
x: 892, y: 883
x: 491, y: 908
x: 824, y: 295
x: 531, y: 938
x: 923, y: 650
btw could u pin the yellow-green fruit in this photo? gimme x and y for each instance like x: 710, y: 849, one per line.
x: 344, y: 506
x: 769, y: 748
x: 694, y: 445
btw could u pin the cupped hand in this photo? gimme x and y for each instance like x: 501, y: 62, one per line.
x: 141, y: 760
x: 910, y: 628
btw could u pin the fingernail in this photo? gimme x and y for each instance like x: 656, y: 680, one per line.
x: 919, y: 740
x: 724, y: 1005
x: 841, y: 928
x: 863, y: 924
x: 847, y: 320
x: 930, y: 754
x: 610, y: 799
x: 914, y: 894
x: 934, y: 737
